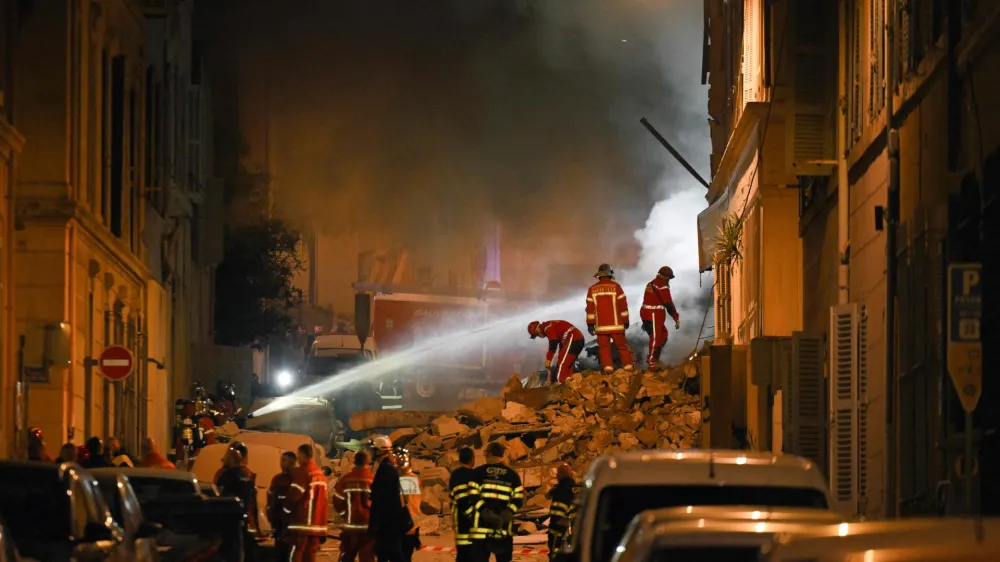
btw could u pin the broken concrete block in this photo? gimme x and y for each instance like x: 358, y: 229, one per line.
x: 400, y: 435
x: 516, y: 449
x: 446, y: 426
x: 483, y: 410
x: 513, y: 384
x: 527, y: 528
x: 517, y: 413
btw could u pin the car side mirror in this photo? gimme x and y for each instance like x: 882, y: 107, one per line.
x: 148, y: 529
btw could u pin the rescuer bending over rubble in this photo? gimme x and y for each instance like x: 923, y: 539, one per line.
x: 656, y: 304
x: 607, y: 318
x: 565, y: 338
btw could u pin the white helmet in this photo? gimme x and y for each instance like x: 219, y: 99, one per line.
x: 381, y: 444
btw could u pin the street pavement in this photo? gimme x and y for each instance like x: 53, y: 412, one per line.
x: 329, y: 551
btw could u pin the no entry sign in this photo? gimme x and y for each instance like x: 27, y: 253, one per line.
x: 116, y: 362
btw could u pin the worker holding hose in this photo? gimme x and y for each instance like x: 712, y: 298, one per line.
x: 565, y: 338
x: 607, y: 318
x: 656, y: 305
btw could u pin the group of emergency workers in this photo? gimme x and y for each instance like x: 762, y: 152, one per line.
x: 608, y: 319
x: 380, y: 510
x: 296, y: 501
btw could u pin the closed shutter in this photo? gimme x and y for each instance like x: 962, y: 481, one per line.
x: 803, y: 402
x: 750, y: 50
x: 723, y: 315
x: 843, y: 407
x: 857, y: 124
x: 813, y: 48
x: 876, y: 69
x: 862, y: 410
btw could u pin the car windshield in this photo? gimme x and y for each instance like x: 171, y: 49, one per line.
x: 35, y: 504
x: 705, y: 554
x: 147, y: 488
x: 320, y: 366
x: 619, y: 504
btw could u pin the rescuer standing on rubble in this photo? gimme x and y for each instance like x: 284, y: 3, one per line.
x: 499, y: 495
x: 462, y: 488
x: 562, y: 336
x: 656, y: 305
x: 607, y: 318
x: 562, y: 510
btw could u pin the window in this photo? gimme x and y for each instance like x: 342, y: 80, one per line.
x: 40, y: 501
x: 117, y: 172
x: 723, y: 310
x: 876, y: 67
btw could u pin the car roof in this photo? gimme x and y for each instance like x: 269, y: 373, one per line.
x: 705, y: 467
x: 155, y: 473
x: 897, y: 540
x: 57, y: 470
x: 739, y: 513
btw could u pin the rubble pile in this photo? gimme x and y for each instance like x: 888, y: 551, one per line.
x: 589, y: 415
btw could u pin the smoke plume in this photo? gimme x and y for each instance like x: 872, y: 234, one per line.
x: 427, y: 122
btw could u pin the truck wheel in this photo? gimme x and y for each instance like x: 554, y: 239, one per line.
x: 425, y: 388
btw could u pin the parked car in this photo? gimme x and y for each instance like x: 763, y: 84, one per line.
x: 713, y: 532
x: 208, y: 489
x: 8, y: 550
x: 618, y: 487
x: 140, y: 533
x: 947, y: 539
x: 55, y: 512
x: 152, y: 483
x: 194, y: 526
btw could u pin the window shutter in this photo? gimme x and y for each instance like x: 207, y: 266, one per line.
x: 843, y: 407
x: 811, y: 134
x: 804, y: 400
x: 723, y: 328
x: 750, y: 36
x: 876, y: 41
x: 862, y: 410
x: 857, y: 94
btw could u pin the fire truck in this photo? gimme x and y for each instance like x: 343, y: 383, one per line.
x: 403, y: 318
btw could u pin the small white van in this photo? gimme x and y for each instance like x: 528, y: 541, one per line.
x: 332, y: 354
x: 618, y: 487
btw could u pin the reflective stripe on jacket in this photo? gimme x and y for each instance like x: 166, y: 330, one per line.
x: 497, y: 489
x: 352, y: 498
x: 607, y: 307
x: 307, y: 501
x: 464, y: 491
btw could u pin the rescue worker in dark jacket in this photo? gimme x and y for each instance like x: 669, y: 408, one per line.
x: 562, y: 510
x: 389, y: 520
x: 236, y: 480
x: 276, y: 513
x: 499, y: 495
x: 463, y: 502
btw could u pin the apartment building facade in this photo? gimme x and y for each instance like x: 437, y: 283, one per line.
x: 11, y: 143
x: 115, y: 128
x: 876, y: 228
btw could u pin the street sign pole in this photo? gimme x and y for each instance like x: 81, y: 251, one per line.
x: 965, y: 358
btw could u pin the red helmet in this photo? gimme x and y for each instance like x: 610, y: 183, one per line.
x: 36, y: 434
x: 665, y: 272
x: 533, y: 329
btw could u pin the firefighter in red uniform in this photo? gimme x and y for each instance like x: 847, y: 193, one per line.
x: 607, y: 318
x: 562, y: 336
x: 307, y: 501
x: 656, y: 305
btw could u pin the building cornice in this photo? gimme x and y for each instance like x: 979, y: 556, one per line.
x: 38, y: 210
x: 742, y: 143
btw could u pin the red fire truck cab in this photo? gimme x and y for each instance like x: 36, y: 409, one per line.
x: 451, y: 354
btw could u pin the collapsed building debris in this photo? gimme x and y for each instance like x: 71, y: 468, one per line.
x: 589, y: 415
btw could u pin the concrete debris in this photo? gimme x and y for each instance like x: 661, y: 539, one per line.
x: 589, y: 415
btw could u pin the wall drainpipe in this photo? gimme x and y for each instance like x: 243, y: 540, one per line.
x: 892, y: 220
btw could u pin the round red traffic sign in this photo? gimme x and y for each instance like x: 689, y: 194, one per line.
x: 116, y: 362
